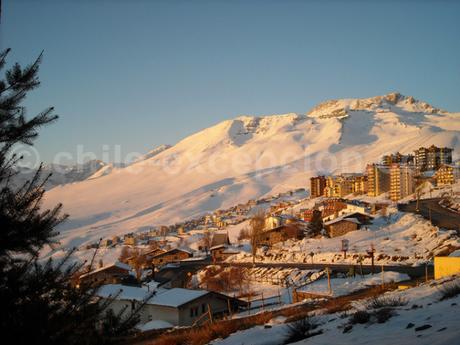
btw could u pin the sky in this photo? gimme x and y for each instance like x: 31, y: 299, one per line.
x: 131, y: 75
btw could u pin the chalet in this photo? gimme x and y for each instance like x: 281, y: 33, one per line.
x: 222, y: 252
x: 149, y: 255
x: 106, y: 242
x: 362, y: 217
x: 173, y: 255
x: 281, y: 234
x: 130, y: 240
x: 219, y: 238
x: 341, y: 225
x: 177, y: 306
x: 111, y: 274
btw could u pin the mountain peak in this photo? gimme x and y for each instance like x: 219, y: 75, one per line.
x: 340, y: 108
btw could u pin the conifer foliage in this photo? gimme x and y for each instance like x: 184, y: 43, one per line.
x: 40, y: 303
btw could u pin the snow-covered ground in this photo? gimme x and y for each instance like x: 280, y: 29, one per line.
x: 347, y: 285
x: 402, y: 238
x: 424, y: 308
x: 247, y: 158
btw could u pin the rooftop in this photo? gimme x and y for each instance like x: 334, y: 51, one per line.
x: 165, y: 297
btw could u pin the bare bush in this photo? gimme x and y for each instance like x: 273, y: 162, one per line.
x: 361, y: 316
x: 302, y: 329
x: 386, y: 301
x: 383, y: 314
x: 450, y: 290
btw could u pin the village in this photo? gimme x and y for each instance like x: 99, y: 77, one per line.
x: 347, y: 235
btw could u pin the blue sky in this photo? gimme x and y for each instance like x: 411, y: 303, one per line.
x: 143, y: 73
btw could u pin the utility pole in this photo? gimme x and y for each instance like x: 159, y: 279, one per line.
x: 383, y: 278
x: 426, y: 272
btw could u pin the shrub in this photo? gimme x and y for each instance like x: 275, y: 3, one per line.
x: 383, y: 314
x: 386, y: 301
x: 301, y: 329
x: 361, y: 316
x: 450, y: 290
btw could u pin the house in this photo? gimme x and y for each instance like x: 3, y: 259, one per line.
x: 173, y: 255
x: 222, y: 252
x: 177, y: 306
x: 149, y: 255
x: 273, y: 221
x: 130, y: 240
x: 219, y: 238
x: 111, y: 274
x: 341, y: 225
x: 281, y: 234
x: 362, y: 217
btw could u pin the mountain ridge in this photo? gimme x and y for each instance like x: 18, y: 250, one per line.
x: 249, y: 157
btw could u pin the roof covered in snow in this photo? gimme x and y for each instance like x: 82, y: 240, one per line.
x: 165, y: 297
x: 115, y: 264
x: 341, y: 219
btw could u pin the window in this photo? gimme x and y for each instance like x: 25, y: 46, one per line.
x: 193, y: 311
x: 203, y: 308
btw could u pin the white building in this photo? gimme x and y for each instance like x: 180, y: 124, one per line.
x: 178, y: 307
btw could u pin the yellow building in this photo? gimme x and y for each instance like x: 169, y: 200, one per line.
x: 447, y: 174
x: 359, y: 184
x: 378, y: 179
x: 338, y: 186
x: 446, y: 266
x: 401, y: 181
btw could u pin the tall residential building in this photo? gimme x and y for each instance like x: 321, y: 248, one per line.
x: 338, y: 186
x: 397, y: 158
x: 317, y: 185
x: 402, y: 181
x: 359, y: 184
x: 378, y: 179
x: 447, y: 174
x: 432, y: 158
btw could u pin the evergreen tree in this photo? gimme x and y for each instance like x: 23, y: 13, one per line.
x: 40, y: 303
x: 315, y: 226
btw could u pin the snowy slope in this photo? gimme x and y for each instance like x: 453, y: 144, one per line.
x: 248, y: 157
x: 425, y: 320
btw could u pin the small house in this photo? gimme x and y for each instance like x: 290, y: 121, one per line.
x: 341, y: 225
x: 177, y: 306
x: 281, y: 234
x: 111, y: 274
x: 222, y: 252
x: 173, y: 255
x: 219, y: 238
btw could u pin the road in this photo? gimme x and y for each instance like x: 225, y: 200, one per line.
x: 440, y: 216
x: 413, y: 272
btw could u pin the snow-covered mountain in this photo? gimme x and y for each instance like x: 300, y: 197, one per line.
x: 61, y: 174
x: 249, y: 157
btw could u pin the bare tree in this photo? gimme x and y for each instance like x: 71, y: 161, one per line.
x: 125, y: 254
x: 206, y: 240
x: 139, y: 262
x: 257, y: 225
